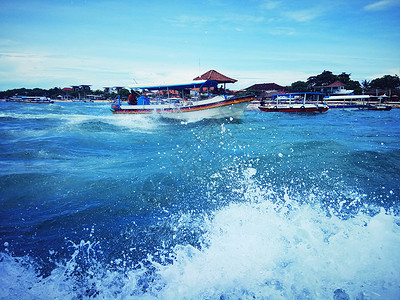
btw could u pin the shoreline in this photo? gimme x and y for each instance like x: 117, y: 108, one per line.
x: 395, y: 105
x: 392, y: 104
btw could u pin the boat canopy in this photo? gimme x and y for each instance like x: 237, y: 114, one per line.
x: 296, y: 94
x: 181, y: 86
x: 347, y: 97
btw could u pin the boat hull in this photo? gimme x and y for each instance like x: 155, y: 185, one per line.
x: 349, y: 107
x: 379, y: 107
x: 294, y: 108
x: 34, y: 101
x: 213, y: 108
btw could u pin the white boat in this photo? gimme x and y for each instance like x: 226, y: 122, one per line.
x: 381, y: 104
x: 295, y: 102
x: 30, y: 99
x: 355, y: 102
x: 186, y: 107
x: 348, y: 102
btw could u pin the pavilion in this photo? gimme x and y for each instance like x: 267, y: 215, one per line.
x: 216, y: 76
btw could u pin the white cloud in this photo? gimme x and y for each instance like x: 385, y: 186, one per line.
x: 197, y: 21
x: 382, y: 5
x: 389, y: 71
x: 304, y: 15
x: 281, y: 31
x: 281, y: 77
x: 43, y: 69
x: 242, y: 19
x: 186, y: 20
x: 268, y: 4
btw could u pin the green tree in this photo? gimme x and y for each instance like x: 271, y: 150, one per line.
x: 98, y: 92
x: 54, y: 92
x: 354, y: 85
x: 386, y: 82
x: 124, y: 93
x: 366, y: 85
x: 323, y: 79
x: 344, y: 78
x: 299, y: 86
x: 327, y: 77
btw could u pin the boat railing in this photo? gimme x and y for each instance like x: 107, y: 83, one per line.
x: 176, y: 102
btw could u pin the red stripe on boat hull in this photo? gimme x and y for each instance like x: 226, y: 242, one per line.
x: 135, y: 110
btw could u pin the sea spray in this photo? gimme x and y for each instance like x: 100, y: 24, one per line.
x: 273, y: 206
x: 269, y: 248
x: 286, y: 250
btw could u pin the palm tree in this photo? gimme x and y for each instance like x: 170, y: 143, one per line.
x: 366, y: 85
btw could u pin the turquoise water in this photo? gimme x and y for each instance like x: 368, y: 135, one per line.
x: 273, y: 206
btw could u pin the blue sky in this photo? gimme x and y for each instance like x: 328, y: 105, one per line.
x: 59, y: 43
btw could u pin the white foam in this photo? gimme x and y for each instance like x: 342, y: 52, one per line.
x: 281, y: 249
x: 272, y: 247
x: 142, y: 123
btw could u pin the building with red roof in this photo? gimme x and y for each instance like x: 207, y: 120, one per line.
x: 266, y: 89
x: 335, y: 88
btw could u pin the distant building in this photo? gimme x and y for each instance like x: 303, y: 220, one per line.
x: 336, y: 88
x: 83, y: 87
x: 114, y: 89
x: 95, y: 97
x: 117, y: 88
x: 107, y: 90
x: 82, y: 90
x: 67, y: 95
x: 266, y: 89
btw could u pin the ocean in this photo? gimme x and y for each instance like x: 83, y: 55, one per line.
x: 271, y: 206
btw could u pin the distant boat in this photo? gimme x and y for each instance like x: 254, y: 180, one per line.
x: 295, y: 102
x: 30, y: 99
x: 381, y: 104
x: 379, y: 107
x: 355, y: 102
x: 176, y: 103
x: 348, y: 102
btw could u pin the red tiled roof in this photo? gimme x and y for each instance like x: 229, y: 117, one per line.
x: 265, y: 87
x: 214, y: 75
x: 336, y: 84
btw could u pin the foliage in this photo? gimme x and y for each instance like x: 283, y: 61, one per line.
x: 51, y: 93
x: 327, y: 77
x: 323, y: 79
x: 386, y: 82
x: 299, y: 86
x: 124, y: 93
x: 366, y: 84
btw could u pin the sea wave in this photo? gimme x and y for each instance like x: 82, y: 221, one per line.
x: 264, y: 245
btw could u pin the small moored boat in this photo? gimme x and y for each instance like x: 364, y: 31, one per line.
x: 30, y: 99
x: 295, y: 102
x: 381, y: 104
x: 356, y: 102
x: 348, y: 102
x: 379, y: 107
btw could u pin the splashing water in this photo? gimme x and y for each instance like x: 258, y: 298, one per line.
x: 269, y: 207
x: 262, y: 247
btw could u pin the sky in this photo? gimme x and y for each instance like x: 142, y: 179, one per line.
x: 104, y: 43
